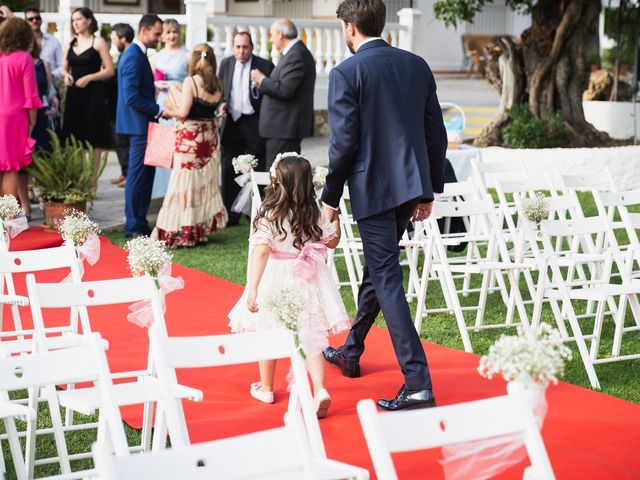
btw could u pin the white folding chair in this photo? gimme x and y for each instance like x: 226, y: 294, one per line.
x: 82, y: 363
x: 258, y: 179
x: 144, y: 389
x: 557, y: 289
x: 171, y: 353
x: 18, y: 339
x: 494, y: 260
x: 392, y: 432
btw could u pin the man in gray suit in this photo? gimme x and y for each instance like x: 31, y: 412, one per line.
x: 286, y: 115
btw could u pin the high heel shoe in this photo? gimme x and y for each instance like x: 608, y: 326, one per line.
x: 323, y: 402
x: 259, y: 394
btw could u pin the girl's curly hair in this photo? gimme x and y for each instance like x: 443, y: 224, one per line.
x: 291, y: 197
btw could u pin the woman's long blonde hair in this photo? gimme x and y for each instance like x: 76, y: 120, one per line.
x: 203, y: 63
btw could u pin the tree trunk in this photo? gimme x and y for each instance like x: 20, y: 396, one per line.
x: 549, y: 69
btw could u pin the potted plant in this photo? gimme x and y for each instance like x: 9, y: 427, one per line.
x: 66, y: 177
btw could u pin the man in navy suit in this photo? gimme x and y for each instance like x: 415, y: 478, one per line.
x: 388, y: 142
x: 136, y: 108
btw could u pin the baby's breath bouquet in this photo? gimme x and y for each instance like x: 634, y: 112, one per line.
x: 244, y: 164
x: 147, y: 256
x: 9, y: 208
x: 536, y: 209
x: 320, y: 176
x: 76, y: 227
x: 284, y: 305
x: 537, y: 354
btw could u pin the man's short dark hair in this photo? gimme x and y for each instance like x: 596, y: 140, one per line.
x: 32, y: 9
x: 246, y: 34
x: 123, y: 30
x: 368, y: 16
x: 148, y: 21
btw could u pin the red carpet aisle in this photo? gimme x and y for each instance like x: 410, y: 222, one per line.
x: 587, y: 434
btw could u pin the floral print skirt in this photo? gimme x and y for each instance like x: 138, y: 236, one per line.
x: 193, y: 206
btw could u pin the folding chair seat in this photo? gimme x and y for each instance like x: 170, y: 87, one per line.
x: 143, y: 389
x: 494, y: 259
x: 84, y: 363
x: 554, y: 287
x: 171, y: 353
x: 392, y: 432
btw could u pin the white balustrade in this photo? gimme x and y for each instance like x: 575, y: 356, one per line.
x: 328, y: 65
x: 322, y: 37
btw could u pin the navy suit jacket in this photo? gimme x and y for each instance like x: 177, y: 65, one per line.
x: 136, y: 93
x: 388, y: 139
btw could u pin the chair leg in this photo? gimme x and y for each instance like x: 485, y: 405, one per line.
x: 582, y: 347
x: 597, y: 329
x: 147, y: 416
x: 619, y: 320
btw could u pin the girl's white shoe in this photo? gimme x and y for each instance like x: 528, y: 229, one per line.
x: 323, y: 402
x: 259, y: 394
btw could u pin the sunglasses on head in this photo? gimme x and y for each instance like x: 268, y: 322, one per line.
x: 37, y: 18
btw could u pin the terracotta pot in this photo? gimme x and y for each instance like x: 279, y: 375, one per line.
x: 54, y: 212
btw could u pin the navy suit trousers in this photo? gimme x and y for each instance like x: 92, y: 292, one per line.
x: 137, y: 190
x: 382, y: 289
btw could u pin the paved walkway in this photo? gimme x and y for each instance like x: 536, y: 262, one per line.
x: 478, y: 99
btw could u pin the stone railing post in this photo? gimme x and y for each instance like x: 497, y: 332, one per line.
x: 407, y: 38
x: 65, y: 8
x: 196, y: 13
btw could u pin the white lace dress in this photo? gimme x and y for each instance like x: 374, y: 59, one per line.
x: 323, y: 313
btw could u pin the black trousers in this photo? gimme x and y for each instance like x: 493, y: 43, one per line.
x: 239, y: 137
x: 281, y: 145
x: 382, y: 289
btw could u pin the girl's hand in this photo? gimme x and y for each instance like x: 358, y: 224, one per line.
x: 68, y: 80
x: 252, y: 304
x: 83, y: 81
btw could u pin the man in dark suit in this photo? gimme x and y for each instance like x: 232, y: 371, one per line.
x: 388, y: 141
x: 242, y: 101
x: 287, y: 109
x: 136, y: 108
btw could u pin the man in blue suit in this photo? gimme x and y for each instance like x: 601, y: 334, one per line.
x: 136, y: 108
x: 388, y: 142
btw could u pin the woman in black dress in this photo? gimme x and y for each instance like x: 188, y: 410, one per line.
x: 87, y: 63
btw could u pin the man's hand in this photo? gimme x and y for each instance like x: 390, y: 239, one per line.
x: 422, y: 212
x: 330, y: 213
x: 257, y: 76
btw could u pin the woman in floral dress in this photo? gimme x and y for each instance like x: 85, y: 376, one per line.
x: 193, y: 207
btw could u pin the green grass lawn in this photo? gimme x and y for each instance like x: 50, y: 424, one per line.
x: 225, y: 257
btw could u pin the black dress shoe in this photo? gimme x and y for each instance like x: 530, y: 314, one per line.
x: 349, y: 368
x: 409, y: 399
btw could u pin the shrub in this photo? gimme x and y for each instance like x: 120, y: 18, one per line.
x: 526, y: 131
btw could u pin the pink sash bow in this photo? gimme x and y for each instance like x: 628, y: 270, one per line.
x: 306, y: 262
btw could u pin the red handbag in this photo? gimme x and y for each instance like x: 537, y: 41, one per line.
x: 161, y: 143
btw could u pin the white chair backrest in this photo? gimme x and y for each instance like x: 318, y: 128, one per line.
x: 485, y: 173
x: 267, y: 454
x: 463, y: 208
x: 170, y: 353
x: 86, y: 362
x: 38, y: 260
x: 602, y: 181
x: 387, y: 433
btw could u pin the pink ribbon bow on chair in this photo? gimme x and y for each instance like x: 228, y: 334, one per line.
x: 142, y: 311
x: 306, y: 264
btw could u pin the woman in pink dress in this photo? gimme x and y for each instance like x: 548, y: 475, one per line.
x: 20, y: 102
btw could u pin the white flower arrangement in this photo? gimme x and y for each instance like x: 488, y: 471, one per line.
x: 537, y: 354
x: 147, y: 256
x: 320, y: 176
x: 280, y: 156
x: 9, y: 208
x: 76, y: 227
x: 536, y: 209
x: 284, y: 305
x: 244, y: 164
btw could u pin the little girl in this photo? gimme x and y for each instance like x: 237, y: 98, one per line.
x: 289, y: 229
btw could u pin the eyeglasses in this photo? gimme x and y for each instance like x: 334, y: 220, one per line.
x: 37, y: 18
